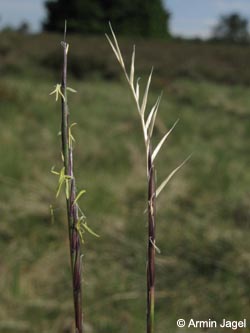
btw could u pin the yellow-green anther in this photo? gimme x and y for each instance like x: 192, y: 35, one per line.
x: 57, y: 91
x: 78, y: 196
x: 71, y: 138
x: 71, y: 90
x: 67, y: 48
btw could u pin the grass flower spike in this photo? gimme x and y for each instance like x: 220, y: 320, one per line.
x: 147, y: 122
x: 77, y: 224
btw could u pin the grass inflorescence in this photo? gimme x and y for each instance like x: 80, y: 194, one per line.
x: 147, y: 122
x: 77, y: 224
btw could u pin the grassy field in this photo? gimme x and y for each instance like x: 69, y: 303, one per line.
x: 203, y: 224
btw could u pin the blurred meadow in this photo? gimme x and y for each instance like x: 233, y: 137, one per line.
x: 203, y: 223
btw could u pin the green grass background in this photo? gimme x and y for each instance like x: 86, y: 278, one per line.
x: 203, y: 217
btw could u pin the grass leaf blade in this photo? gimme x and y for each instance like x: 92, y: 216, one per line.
x: 113, y: 48
x: 137, y: 91
x: 117, y: 47
x: 132, y: 70
x: 145, y: 97
x: 164, y: 183
x: 158, y: 147
x: 151, y: 117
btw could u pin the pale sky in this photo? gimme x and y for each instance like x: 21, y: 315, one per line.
x: 13, y: 12
x: 193, y: 18
x: 190, y: 18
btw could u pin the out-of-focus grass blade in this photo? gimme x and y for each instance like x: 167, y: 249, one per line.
x: 52, y: 215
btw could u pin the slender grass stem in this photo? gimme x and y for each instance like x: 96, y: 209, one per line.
x: 151, y: 243
x: 72, y: 207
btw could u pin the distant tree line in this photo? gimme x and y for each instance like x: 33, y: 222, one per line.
x: 148, y: 18
x: 232, y: 28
